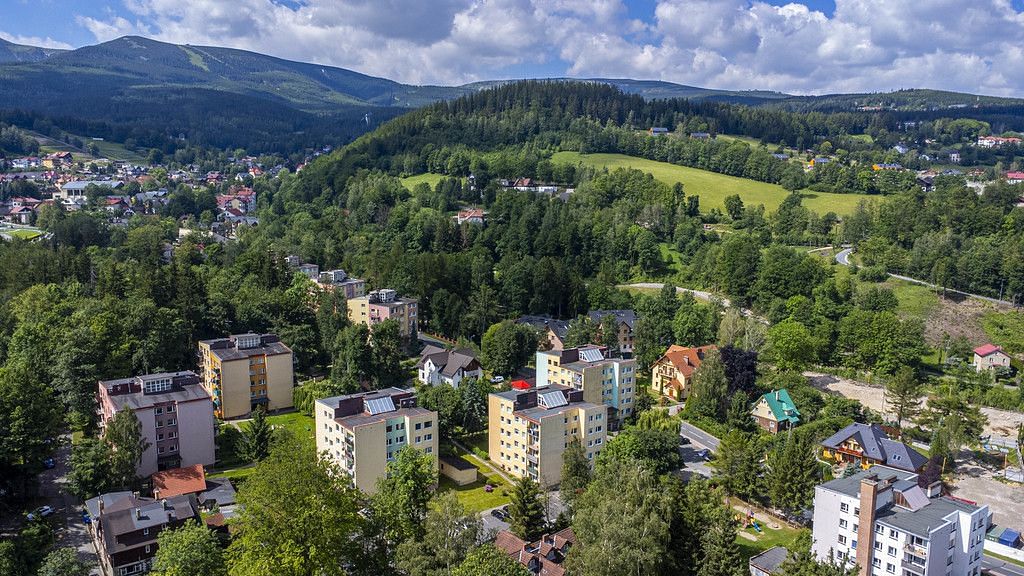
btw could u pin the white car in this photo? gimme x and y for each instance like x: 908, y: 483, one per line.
x: 41, y: 512
x: 497, y: 380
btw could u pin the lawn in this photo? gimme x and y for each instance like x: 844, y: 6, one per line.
x: 115, y: 151
x: 1005, y: 329
x: 295, y: 422
x: 473, y: 496
x: 230, y: 463
x: 430, y: 178
x: 714, y: 188
x: 768, y: 538
x: 21, y: 233
x: 916, y: 301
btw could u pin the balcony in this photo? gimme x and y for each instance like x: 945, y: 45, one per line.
x: 916, y: 550
x: 532, y: 458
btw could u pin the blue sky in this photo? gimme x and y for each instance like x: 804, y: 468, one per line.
x: 810, y: 46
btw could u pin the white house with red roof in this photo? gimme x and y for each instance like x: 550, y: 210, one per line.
x: 990, y: 357
x: 1014, y: 177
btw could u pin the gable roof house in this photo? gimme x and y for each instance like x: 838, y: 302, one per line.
x: 471, y: 216
x: 555, y: 330
x: 626, y: 319
x: 543, y: 557
x: 672, y: 374
x: 990, y: 356
x: 775, y: 411
x: 867, y: 445
x: 437, y: 366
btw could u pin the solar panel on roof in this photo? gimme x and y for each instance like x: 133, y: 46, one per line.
x: 380, y: 405
x: 551, y: 399
x: 591, y: 355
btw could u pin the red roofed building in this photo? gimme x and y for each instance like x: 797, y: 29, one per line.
x: 1014, y: 177
x: 179, y: 482
x: 671, y: 375
x: 989, y: 357
x: 543, y: 557
x: 472, y: 216
x: 520, y: 385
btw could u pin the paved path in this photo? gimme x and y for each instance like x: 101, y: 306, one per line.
x: 699, y: 436
x: 997, y: 567
x: 487, y: 463
x: 843, y: 257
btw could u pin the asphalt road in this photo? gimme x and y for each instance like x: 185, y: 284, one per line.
x: 699, y: 440
x: 843, y: 257
x: 698, y: 436
x: 996, y: 567
x: 492, y: 525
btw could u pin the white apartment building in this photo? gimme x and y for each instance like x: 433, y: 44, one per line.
x: 882, y: 521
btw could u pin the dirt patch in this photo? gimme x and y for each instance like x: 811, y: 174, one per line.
x: 956, y: 316
x: 1001, y: 423
x: 1006, y: 501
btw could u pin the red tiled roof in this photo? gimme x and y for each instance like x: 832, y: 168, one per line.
x: 987, y: 349
x: 179, y: 481
x: 1015, y: 175
x: 543, y: 557
x: 686, y: 360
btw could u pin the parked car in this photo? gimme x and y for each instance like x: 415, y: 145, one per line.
x: 683, y: 440
x: 497, y: 380
x: 49, y: 463
x: 499, y: 514
x: 704, y: 455
x: 41, y: 512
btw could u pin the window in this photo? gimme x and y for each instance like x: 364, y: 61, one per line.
x: 145, y: 531
x: 843, y: 523
x: 844, y: 507
x: 159, y: 410
x: 169, y: 409
x: 428, y: 437
x: 172, y: 422
x: 172, y: 448
x: 429, y: 450
x: 892, y: 551
x: 890, y: 568
x: 893, y: 534
x: 428, y: 424
x: 842, y: 539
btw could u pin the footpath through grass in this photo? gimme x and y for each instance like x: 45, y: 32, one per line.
x: 474, y: 496
x: 713, y: 188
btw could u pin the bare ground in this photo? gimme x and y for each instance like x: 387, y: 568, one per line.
x: 1001, y: 423
x: 1006, y: 501
x: 956, y: 316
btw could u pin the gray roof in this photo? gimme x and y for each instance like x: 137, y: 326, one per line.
x: 627, y: 317
x: 559, y: 327
x: 878, y: 446
x: 232, y: 352
x: 449, y: 362
x: 770, y: 560
x: 123, y: 512
x: 139, y: 400
x: 219, y: 490
x: 850, y: 485
x: 83, y: 184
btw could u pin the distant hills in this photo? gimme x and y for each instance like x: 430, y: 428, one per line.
x: 151, y: 91
x: 11, y: 52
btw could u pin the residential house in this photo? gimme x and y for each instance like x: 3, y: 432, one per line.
x: 867, y: 445
x: 552, y: 330
x: 819, y: 161
x: 124, y: 528
x: 603, y: 380
x: 1014, y: 177
x: 884, y: 166
x: 58, y: 160
x: 700, y: 135
x: 990, y: 357
x: 997, y: 142
x: 440, y: 366
x: 625, y: 319
x: 311, y: 271
x: 954, y: 157
x: 338, y: 280
x: 541, y: 558
x: 384, y: 304
x: 775, y: 411
x: 769, y: 562
x: 363, y: 432
x: 471, y: 216
x: 672, y: 374
x: 246, y: 371
x: 175, y: 413
x: 211, y: 494
x: 77, y: 188
x: 658, y: 131
x: 883, y: 522
x: 528, y: 430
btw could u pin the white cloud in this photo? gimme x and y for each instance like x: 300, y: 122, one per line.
x: 865, y: 45
x: 34, y: 41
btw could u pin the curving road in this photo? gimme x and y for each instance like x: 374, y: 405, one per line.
x: 843, y: 258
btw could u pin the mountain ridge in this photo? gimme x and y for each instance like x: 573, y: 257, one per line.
x: 11, y: 52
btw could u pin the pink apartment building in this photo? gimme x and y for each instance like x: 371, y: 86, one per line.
x: 381, y: 305
x: 176, y: 414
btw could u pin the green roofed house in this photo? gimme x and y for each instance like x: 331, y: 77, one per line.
x: 775, y: 411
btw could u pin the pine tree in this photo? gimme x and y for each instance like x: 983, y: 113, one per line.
x: 710, y: 388
x: 903, y: 395
x: 721, y: 552
x: 576, y: 473
x: 258, y: 434
x: 526, y: 513
x: 793, y: 474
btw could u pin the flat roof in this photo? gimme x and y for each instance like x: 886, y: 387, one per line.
x: 140, y: 400
x: 235, y: 353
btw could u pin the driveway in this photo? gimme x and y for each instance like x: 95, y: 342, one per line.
x: 70, y: 529
x: 492, y: 525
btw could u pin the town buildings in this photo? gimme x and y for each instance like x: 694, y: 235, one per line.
x: 624, y: 319
x: 603, y: 380
x: 997, y: 142
x: 775, y: 411
x: 246, y: 371
x: 384, y: 304
x: 176, y: 414
x: 552, y: 331
x: 866, y: 445
x: 528, y: 430
x: 440, y: 366
x: 990, y: 357
x: 124, y: 528
x: 338, y: 280
x: 363, y: 432
x: 882, y: 521
x: 543, y: 557
x: 672, y: 374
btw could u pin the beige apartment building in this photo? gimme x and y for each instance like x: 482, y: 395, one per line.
x: 245, y: 371
x: 528, y: 430
x: 384, y: 304
x: 608, y: 381
x: 363, y: 432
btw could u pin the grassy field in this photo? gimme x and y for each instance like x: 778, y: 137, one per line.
x: 115, y: 151
x: 21, y: 233
x: 1005, y: 329
x: 473, y: 496
x: 916, y: 301
x: 431, y: 178
x: 231, y: 465
x: 714, y: 188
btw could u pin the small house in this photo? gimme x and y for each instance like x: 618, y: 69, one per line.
x: 768, y: 562
x: 775, y: 411
x: 989, y: 357
x: 658, y: 131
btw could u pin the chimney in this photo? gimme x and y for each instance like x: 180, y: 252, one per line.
x: 138, y: 513
x: 866, y: 523
x: 934, y: 489
x: 165, y: 504
x: 102, y: 506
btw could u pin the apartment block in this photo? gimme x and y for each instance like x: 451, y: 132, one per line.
x: 340, y: 281
x: 363, y: 432
x: 176, y: 414
x: 246, y: 371
x: 608, y: 381
x: 384, y: 304
x: 881, y: 520
x: 528, y: 430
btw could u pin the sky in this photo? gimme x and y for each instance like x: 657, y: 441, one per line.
x: 798, y: 47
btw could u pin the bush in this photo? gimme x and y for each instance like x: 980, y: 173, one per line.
x: 872, y: 274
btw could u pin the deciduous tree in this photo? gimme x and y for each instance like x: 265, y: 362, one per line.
x: 189, y: 550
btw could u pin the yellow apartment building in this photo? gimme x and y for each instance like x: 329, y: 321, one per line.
x: 608, y: 381
x: 363, y: 432
x: 528, y: 430
x: 244, y: 371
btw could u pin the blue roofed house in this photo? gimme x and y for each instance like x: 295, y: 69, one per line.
x: 867, y: 445
x: 775, y: 411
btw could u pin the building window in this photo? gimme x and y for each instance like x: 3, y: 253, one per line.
x: 842, y: 539
x: 890, y: 568
x: 170, y: 409
x: 843, y: 523
x: 891, y: 551
x: 844, y: 507
x: 419, y: 424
